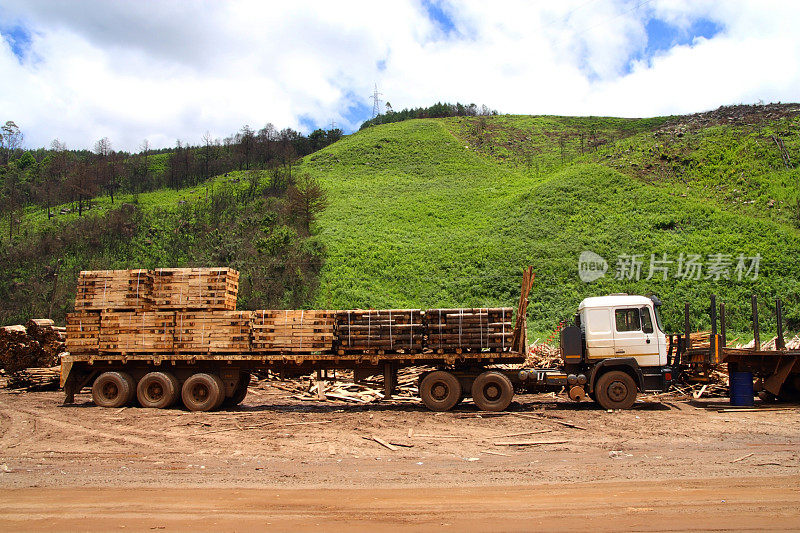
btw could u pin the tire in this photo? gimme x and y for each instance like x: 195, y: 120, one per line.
x: 239, y: 392
x: 440, y: 391
x: 113, y: 389
x: 492, y: 391
x: 615, y: 390
x: 202, y: 392
x: 157, y: 390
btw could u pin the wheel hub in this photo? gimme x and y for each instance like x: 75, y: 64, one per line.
x: 617, y: 391
x: 439, y: 391
x: 155, y: 391
x: 491, y: 392
x: 110, y: 390
x: 200, y: 393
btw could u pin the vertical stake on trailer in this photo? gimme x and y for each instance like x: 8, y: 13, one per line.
x: 388, y: 380
x: 712, y: 346
x: 723, y: 339
x: 687, y: 340
x: 780, y: 344
x: 756, y: 333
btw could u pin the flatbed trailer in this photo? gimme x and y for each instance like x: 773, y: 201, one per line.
x: 148, y: 357
x: 777, y: 371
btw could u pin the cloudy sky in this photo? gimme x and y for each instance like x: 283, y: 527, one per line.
x: 172, y: 69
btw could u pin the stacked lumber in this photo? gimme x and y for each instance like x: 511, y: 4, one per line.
x: 700, y: 340
x: 113, y: 289
x: 292, y: 331
x: 195, y: 288
x: 471, y: 330
x: 83, y: 332
x: 372, y: 331
x: 138, y: 332
x: 212, y: 332
x: 35, y: 379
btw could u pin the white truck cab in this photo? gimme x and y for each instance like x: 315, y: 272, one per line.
x: 622, y: 325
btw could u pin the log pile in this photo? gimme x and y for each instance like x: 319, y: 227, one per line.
x: 372, y: 331
x: 469, y: 330
x: 291, y: 331
x: 212, y: 332
x: 21, y: 348
x: 114, y: 289
x: 136, y: 332
x: 195, y: 288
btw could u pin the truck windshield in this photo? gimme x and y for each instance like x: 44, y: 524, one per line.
x: 658, y: 319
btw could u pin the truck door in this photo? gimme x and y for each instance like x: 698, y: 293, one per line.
x: 599, y: 333
x: 634, y: 335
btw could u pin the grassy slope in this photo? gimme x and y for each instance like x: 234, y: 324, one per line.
x: 424, y: 214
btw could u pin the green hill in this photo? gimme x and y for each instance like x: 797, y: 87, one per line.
x: 445, y: 212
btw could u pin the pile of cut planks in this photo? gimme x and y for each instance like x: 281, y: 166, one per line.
x: 114, y: 289
x: 136, y: 332
x: 195, y: 288
x: 83, y: 332
x: 347, y: 389
x: 212, y: 332
x: 373, y: 331
x: 35, y: 379
x: 291, y: 331
x: 471, y: 330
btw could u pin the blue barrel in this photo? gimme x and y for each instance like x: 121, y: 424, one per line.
x: 741, y: 388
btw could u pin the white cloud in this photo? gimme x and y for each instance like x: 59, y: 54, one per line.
x: 174, y: 69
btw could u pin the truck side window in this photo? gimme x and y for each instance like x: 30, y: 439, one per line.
x: 647, y: 321
x: 628, y: 320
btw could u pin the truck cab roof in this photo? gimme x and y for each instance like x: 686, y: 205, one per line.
x: 614, y: 300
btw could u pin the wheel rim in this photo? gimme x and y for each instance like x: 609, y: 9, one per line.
x: 617, y: 391
x: 155, y: 391
x: 200, y: 393
x: 109, y: 390
x: 440, y: 391
x: 492, y: 392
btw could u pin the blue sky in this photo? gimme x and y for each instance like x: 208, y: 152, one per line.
x: 174, y: 69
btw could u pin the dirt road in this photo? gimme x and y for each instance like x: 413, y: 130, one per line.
x: 717, y: 504
x: 274, y: 458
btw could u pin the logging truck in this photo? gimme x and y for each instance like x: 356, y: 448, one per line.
x: 615, y: 348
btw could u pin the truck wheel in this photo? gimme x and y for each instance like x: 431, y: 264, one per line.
x: 202, y: 392
x: 615, y: 390
x: 157, y: 390
x: 113, y: 389
x: 492, y: 391
x: 239, y: 392
x: 440, y: 391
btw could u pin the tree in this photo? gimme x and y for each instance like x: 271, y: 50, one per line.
x: 11, y: 138
x: 304, y: 200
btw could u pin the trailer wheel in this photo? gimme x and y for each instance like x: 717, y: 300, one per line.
x: 615, y: 390
x: 203, y: 392
x: 239, y: 392
x: 157, y: 390
x: 440, y: 391
x: 113, y: 389
x: 492, y: 391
